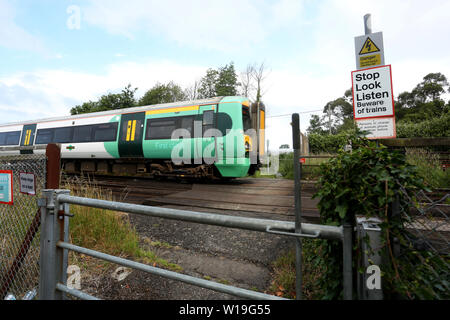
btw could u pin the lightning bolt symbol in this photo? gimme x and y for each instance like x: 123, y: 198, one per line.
x: 368, y: 45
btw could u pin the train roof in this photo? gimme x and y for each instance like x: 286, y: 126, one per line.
x: 214, y: 100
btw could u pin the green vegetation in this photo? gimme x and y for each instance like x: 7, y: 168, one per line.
x: 283, y: 283
x: 423, y: 112
x: 222, y: 81
x: 107, y: 231
x: 428, y: 167
x: 366, y: 182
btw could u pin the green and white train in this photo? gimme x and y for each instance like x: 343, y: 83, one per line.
x: 218, y: 137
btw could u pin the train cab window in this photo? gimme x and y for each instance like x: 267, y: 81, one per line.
x: 44, y: 136
x: 63, y: 135
x: 9, y: 138
x: 160, y: 128
x: 247, y: 122
x: 105, y: 132
x: 82, y: 134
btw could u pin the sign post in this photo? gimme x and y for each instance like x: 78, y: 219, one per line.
x: 373, y: 100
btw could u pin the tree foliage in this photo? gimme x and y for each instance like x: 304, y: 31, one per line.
x: 110, y: 101
x: 220, y: 82
x: 425, y: 101
x: 423, y: 112
x: 162, y: 93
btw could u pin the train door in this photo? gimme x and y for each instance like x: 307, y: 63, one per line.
x: 131, y: 134
x: 207, y: 145
x: 28, y: 134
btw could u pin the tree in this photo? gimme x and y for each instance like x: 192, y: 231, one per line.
x: 338, y: 116
x: 315, y: 125
x: 221, y: 82
x: 207, y: 87
x: 425, y: 101
x: 227, y: 83
x: 192, y: 92
x: 163, y: 93
x: 252, y: 81
x: 110, y: 101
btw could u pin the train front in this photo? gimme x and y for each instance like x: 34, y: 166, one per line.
x: 240, y: 149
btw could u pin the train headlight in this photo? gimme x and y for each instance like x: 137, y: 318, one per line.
x: 247, y: 143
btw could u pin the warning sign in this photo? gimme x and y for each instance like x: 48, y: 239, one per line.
x: 372, y: 93
x: 369, y: 50
x: 27, y: 183
x: 6, y: 187
x: 369, y: 47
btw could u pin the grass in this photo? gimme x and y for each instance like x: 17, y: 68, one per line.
x: 107, y: 231
x: 429, y: 167
x: 284, y: 275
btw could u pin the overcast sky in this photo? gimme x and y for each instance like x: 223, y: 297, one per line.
x: 52, y: 59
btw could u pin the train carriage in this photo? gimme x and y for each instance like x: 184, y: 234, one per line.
x: 217, y: 137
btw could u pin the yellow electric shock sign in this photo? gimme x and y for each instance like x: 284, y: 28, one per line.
x: 27, y: 138
x: 369, y: 47
x: 131, y: 130
x: 369, y: 50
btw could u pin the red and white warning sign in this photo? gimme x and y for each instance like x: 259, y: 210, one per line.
x: 372, y: 93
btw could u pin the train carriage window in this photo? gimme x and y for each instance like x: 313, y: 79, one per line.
x: 105, y: 132
x: 160, y: 128
x: 63, y: 135
x: 208, y: 120
x: 44, y: 136
x: 13, y: 138
x: 82, y: 134
x: 188, y: 124
x: 9, y: 138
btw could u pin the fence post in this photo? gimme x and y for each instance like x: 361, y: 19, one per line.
x: 347, y: 247
x: 53, y: 260
x: 369, y: 236
x: 298, y: 204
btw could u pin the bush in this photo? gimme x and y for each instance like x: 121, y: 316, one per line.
x: 367, y: 181
x: 327, y: 143
x: 433, y: 128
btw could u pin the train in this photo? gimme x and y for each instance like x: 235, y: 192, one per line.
x: 220, y: 137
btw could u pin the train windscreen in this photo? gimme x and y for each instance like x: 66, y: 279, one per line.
x: 246, y: 118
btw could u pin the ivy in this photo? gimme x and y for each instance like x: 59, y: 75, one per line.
x: 366, y: 182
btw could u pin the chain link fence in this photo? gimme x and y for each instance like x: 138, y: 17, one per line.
x: 19, y: 224
x: 426, y: 217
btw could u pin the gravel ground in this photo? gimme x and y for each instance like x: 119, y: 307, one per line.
x: 230, y: 256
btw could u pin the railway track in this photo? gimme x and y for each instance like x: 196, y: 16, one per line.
x: 260, y: 197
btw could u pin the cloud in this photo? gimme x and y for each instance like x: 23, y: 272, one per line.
x: 220, y: 24
x: 12, y: 36
x: 51, y: 92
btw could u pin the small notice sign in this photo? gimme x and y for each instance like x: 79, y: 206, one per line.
x: 6, y: 187
x: 378, y: 128
x: 27, y: 183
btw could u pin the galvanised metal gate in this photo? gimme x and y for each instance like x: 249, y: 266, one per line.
x: 55, y: 211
